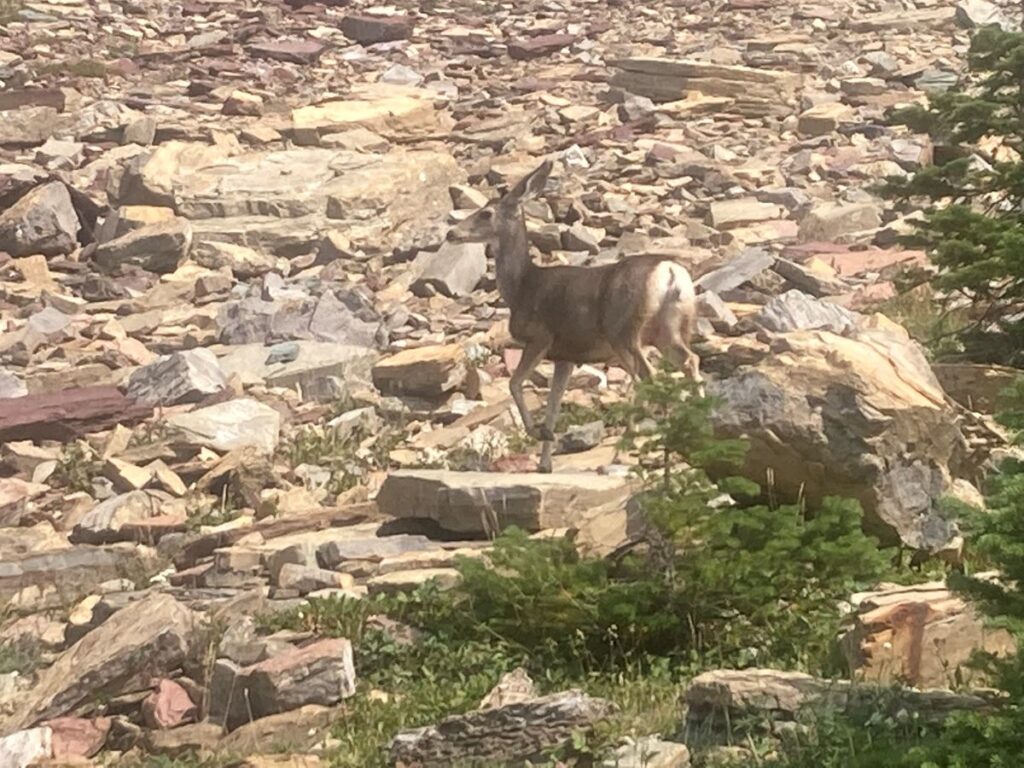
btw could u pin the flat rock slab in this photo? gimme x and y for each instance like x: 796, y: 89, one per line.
x: 724, y: 703
x: 181, y: 377
x: 370, y: 30
x: 227, y: 426
x: 147, y: 639
x: 478, y: 503
x: 67, y: 414
x: 500, y: 735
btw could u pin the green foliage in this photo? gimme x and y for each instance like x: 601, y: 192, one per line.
x: 76, y: 468
x: 974, y: 230
x: 20, y: 657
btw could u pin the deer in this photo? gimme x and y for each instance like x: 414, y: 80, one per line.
x: 575, y: 315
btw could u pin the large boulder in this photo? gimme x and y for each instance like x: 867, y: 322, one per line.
x: 479, y: 503
x: 859, y: 415
x: 921, y: 635
x: 147, y: 639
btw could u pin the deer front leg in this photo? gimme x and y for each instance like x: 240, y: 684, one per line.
x: 532, y: 354
x: 559, y: 381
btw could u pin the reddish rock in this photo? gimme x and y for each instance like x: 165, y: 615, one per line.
x: 294, y: 51
x: 369, y: 30
x: 67, y: 414
x: 538, y: 47
x: 168, y: 706
x: 78, y: 737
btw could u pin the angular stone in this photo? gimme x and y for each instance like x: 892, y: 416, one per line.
x: 384, y: 109
x: 27, y: 127
x: 980, y: 13
x: 292, y: 51
x: 322, y: 371
x: 244, y: 262
x: 11, y: 386
x: 581, y: 438
x: 181, y: 377
x: 475, y: 503
x: 227, y: 426
x: 741, y: 269
x: 370, y: 30
x: 147, y: 638
x: 23, y: 749
x: 305, y: 579
x: 43, y: 221
x: 827, y: 222
x: 129, y: 218
x: 512, y: 733
x: 796, y: 311
x: 728, y: 214
x: 921, y: 635
x: 423, y: 371
x: 336, y: 553
x: 319, y: 673
x: 242, y: 103
x: 826, y: 118
x: 169, y: 706
x: 103, y: 524
x: 160, y: 247
x: 539, y: 47
x: 453, y: 270
x: 76, y: 739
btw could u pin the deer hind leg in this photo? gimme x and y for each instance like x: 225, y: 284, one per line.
x: 532, y: 355
x: 559, y: 381
x: 681, y: 354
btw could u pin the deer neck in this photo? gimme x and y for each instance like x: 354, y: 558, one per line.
x: 512, y: 260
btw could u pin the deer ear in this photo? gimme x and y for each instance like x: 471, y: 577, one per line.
x: 533, y: 183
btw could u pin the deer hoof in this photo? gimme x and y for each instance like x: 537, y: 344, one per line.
x: 544, y: 469
x: 545, y: 435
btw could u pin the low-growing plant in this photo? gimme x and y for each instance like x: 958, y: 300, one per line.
x: 19, y: 656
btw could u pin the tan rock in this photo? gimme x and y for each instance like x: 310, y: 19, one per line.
x: 385, y: 109
x: 423, y: 371
x: 922, y: 635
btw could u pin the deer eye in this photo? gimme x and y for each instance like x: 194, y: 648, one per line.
x: 486, y: 214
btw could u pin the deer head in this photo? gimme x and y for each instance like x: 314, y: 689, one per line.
x: 485, y: 225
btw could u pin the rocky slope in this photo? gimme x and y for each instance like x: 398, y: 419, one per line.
x: 239, y: 364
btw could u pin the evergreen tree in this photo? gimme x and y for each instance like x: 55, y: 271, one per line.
x: 974, y: 227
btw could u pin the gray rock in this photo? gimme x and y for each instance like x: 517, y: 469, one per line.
x: 344, y: 317
x: 711, y: 306
x: 181, y: 377
x: 334, y: 554
x: 161, y: 247
x: 149, y: 638
x: 796, y: 311
x: 43, y: 221
x: 11, y: 385
x: 581, y: 438
x: 285, y: 352
x: 936, y: 80
x: 453, y: 270
x: 476, y: 503
x: 980, y: 13
x: 227, y: 426
x: 743, y: 268
x: 512, y: 733
x: 321, y: 371
x: 26, y: 748
x: 319, y: 673
x: 304, y: 579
